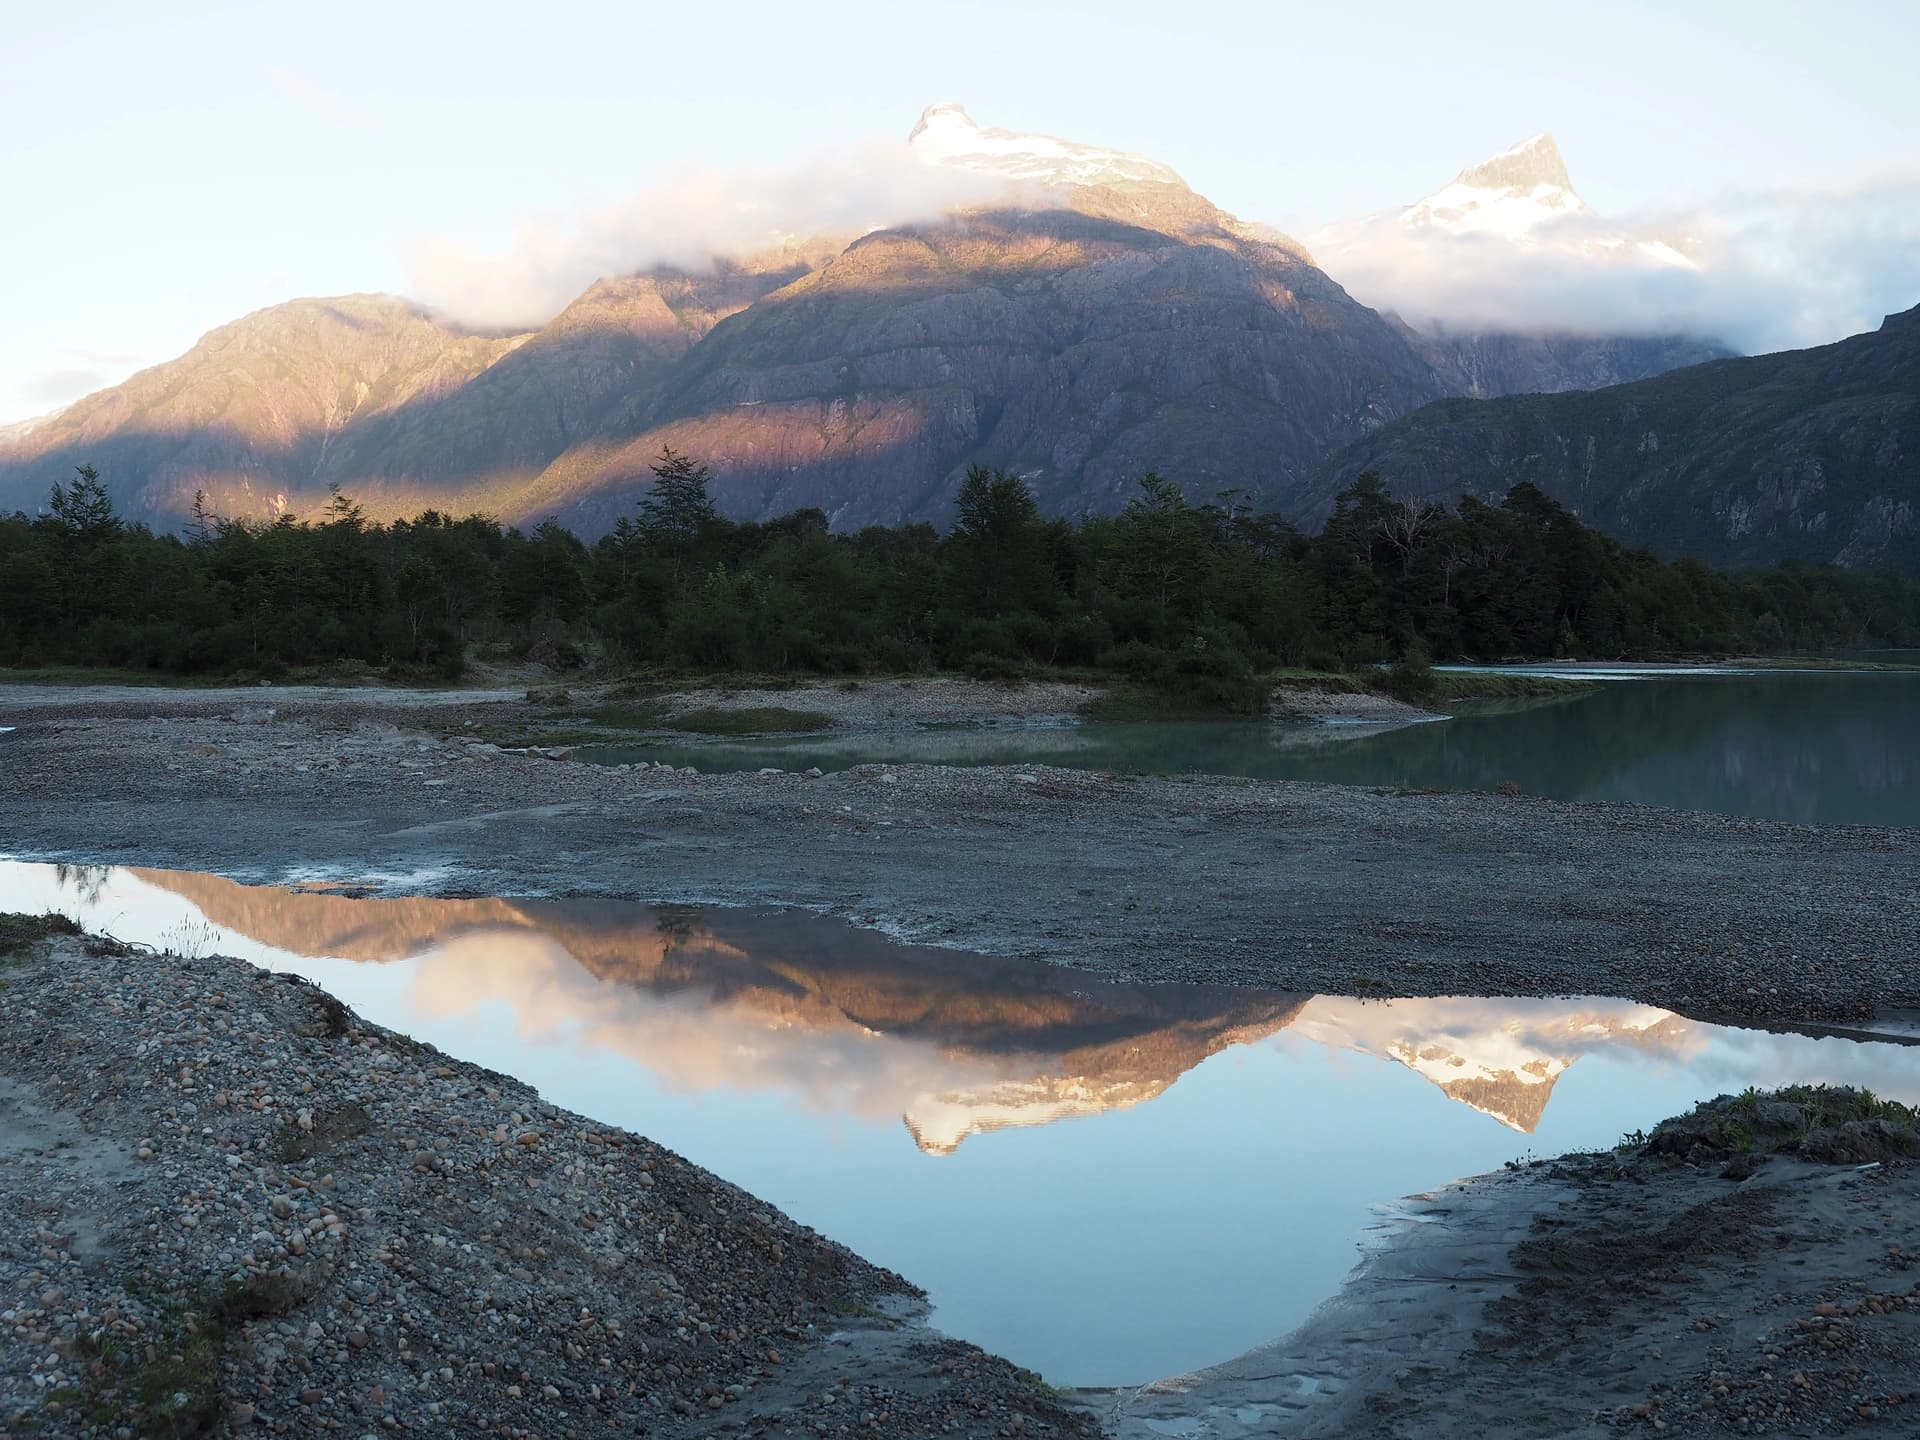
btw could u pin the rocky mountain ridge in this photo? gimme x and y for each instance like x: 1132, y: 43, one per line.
x: 1810, y: 455
x: 1102, y: 321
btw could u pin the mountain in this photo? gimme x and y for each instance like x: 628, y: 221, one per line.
x: 376, y: 395
x: 1462, y: 263
x: 1811, y: 455
x: 1097, y: 320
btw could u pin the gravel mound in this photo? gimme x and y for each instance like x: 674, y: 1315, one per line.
x: 229, y: 1205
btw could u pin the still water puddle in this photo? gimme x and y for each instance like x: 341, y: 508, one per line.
x: 1106, y: 1182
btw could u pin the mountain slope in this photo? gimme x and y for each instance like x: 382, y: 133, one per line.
x: 1082, y: 347
x: 253, y: 410
x: 1806, y: 454
x: 376, y: 395
x: 1099, y: 320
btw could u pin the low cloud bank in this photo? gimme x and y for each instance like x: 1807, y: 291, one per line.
x: 685, y: 221
x: 1772, y: 270
x: 1775, y: 270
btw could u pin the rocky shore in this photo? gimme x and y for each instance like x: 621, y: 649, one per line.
x: 230, y: 1206
x: 1750, y: 1269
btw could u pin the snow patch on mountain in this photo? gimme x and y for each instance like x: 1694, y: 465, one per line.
x: 946, y: 136
x: 1508, y: 244
x: 1500, y: 1058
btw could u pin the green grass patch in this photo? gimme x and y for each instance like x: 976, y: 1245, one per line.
x: 1822, y: 662
x: 166, y: 1388
x: 1459, y: 685
x: 345, y: 674
x: 84, y: 675
x: 756, y: 720
x: 19, y: 933
x: 618, y: 716
x: 1833, y: 1122
x: 1327, y: 682
x: 1128, y: 704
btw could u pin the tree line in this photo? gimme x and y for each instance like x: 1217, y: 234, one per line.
x: 1198, y: 599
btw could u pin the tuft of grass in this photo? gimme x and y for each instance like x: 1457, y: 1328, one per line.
x: 1126, y: 704
x: 168, y: 1389
x: 1827, y: 1115
x: 1327, y: 682
x: 1457, y: 685
x: 19, y: 933
x: 628, y: 716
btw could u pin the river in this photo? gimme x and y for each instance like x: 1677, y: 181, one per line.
x: 1811, y: 746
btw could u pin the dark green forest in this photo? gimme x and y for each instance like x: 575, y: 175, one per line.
x: 1197, y: 599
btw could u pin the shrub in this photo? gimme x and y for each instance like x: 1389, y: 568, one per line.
x: 1412, y: 679
x: 1001, y: 668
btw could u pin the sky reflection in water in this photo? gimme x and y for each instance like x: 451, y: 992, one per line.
x: 1106, y: 1182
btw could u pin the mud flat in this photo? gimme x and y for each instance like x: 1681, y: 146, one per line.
x: 1311, y: 888
x: 1751, y: 1269
x: 229, y: 1205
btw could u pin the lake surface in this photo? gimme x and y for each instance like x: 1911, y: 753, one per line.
x: 1821, y: 747
x: 1105, y: 1182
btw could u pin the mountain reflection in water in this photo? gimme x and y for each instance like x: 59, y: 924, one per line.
x: 1132, y: 1180
x: 953, y: 1043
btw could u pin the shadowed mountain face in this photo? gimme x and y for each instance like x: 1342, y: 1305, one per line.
x: 1808, y: 454
x: 1103, y: 321
x: 1483, y: 364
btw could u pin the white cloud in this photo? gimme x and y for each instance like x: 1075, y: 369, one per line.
x: 1774, y: 270
x: 684, y: 221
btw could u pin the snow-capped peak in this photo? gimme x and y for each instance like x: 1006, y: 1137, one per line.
x: 947, y: 136
x: 1510, y: 195
x: 1524, y: 167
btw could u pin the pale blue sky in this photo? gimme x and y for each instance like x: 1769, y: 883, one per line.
x: 168, y: 167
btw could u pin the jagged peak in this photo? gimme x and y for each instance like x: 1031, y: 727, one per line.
x: 947, y: 135
x: 942, y: 113
x: 1534, y: 162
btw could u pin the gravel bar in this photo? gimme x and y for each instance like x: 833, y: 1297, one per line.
x: 230, y: 1206
x: 1310, y: 888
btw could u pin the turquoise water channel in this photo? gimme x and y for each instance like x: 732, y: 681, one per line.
x: 1820, y: 747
